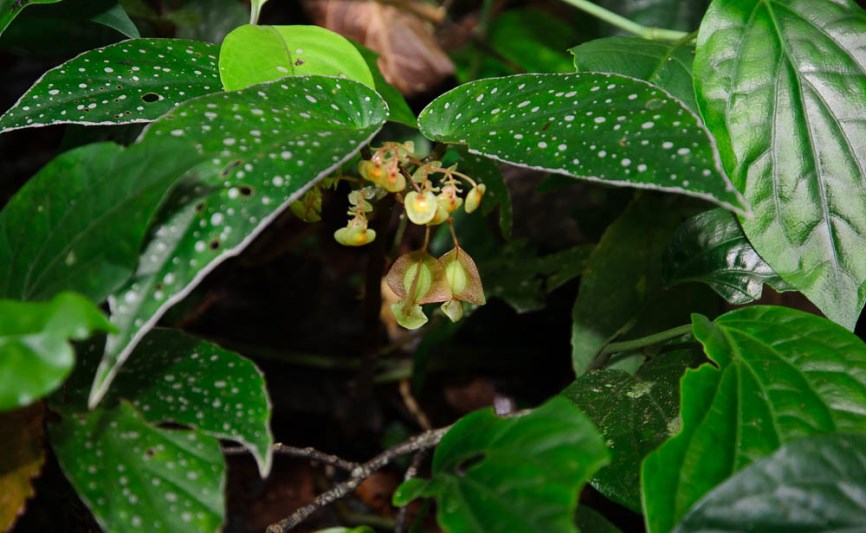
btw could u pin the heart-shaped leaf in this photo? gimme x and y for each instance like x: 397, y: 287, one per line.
x: 268, y: 144
x: 782, y: 375
x: 254, y: 54
x: 782, y: 86
x: 711, y: 248
x: 601, y: 127
x: 668, y: 65
x: 813, y: 484
x: 131, y: 81
x: 635, y: 414
x: 136, y: 476
x: 9, y: 9
x: 516, y: 474
x: 78, y: 225
x: 35, y: 355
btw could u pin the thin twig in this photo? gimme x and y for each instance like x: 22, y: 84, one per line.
x: 411, y: 472
x: 304, y: 453
x: 424, y: 441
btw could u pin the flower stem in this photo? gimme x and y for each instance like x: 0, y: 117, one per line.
x: 255, y: 10
x: 643, y: 342
x: 653, y: 34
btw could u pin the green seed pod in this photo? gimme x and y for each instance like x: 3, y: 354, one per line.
x: 473, y: 197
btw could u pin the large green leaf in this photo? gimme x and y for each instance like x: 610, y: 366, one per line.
x: 131, y: 81
x: 398, y: 109
x: 711, y: 248
x: 9, y: 9
x: 176, y: 378
x: 635, y: 415
x: 782, y: 375
x: 115, y: 17
x: 532, y: 38
x: 268, y: 144
x: 668, y: 65
x: 254, y: 54
x: 813, y: 484
x: 78, y: 225
x: 136, y: 476
x: 623, y: 277
x: 35, y: 355
x: 782, y: 86
x: 596, y: 126
x: 520, y: 474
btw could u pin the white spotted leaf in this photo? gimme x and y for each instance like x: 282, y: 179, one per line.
x: 254, y: 54
x: 782, y: 86
x: 596, y: 126
x: 176, y: 378
x: 135, y: 476
x: 127, y: 82
x: 9, y: 9
x: 79, y: 223
x: 268, y: 144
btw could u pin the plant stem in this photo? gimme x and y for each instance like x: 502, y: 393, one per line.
x: 643, y: 342
x: 654, y: 34
x: 255, y: 10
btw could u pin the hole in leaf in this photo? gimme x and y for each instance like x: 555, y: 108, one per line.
x: 150, y: 98
x: 214, y: 244
x: 246, y: 190
x: 200, y: 207
x: 464, y: 465
x: 299, y: 62
x: 150, y: 452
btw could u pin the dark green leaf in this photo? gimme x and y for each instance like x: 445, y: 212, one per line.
x: 35, y: 355
x: 813, y: 484
x: 208, y: 20
x: 115, y: 17
x: 595, y: 126
x: 9, y: 9
x: 622, y: 277
x: 635, y: 414
x: 782, y: 375
x: 683, y: 15
x: 534, y: 39
x: 711, y: 248
x: 517, y: 474
x: 254, y: 54
x: 781, y: 84
x: 486, y: 171
x: 131, y: 81
x: 591, y: 521
x: 136, y: 476
x: 79, y: 223
x: 398, y: 109
x: 667, y: 65
x: 268, y: 144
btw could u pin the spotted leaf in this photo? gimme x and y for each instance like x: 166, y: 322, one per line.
x: 595, y: 126
x: 186, y: 381
x: 131, y: 81
x: 134, y: 476
x: 268, y: 144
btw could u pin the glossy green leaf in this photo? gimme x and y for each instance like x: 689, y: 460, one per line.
x: 35, y: 355
x: 781, y: 84
x: 79, y: 224
x: 635, y: 415
x: 131, y: 81
x: 813, y: 484
x: 711, y: 248
x: 255, y: 54
x: 268, y: 145
x: 623, y: 277
x: 399, y: 110
x: 116, y: 18
x: 782, y: 375
x: 595, y: 126
x: 516, y: 474
x: 136, y: 476
x: 9, y: 9
x: 534, y: 39
x: 591, y: 521
x: 486, y: 171
x: 208, y: 20
x: 667, y: 65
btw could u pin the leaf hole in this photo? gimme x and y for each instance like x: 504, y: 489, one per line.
x: 246, y: 190
x: 151, y: 97
x: 150, y: 452
x: 464, y: 465
x: 199, y: 207
x: 214, y: 244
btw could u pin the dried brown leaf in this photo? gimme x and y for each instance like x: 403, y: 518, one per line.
x: 21, y: 458
x: 410, y: 57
